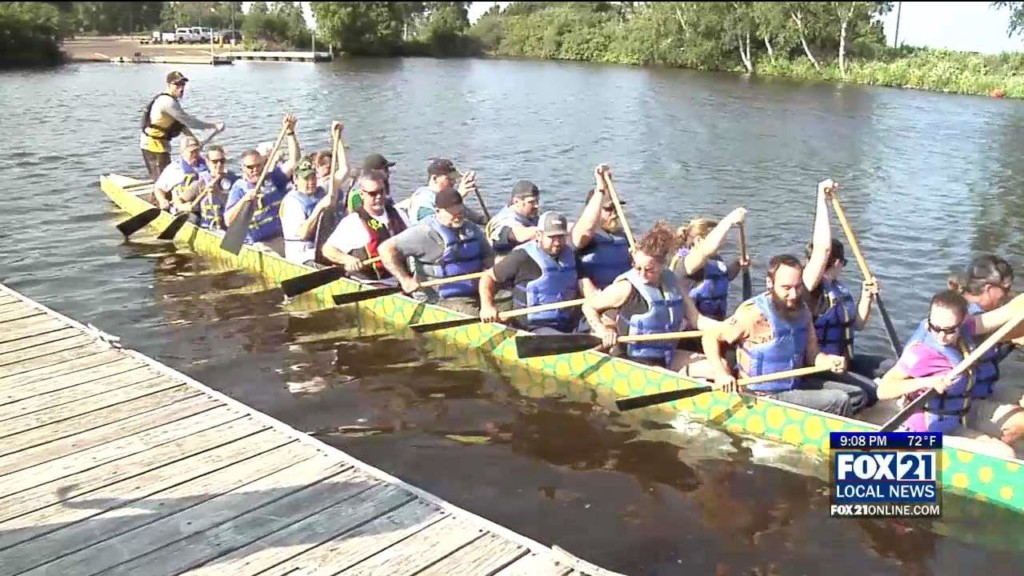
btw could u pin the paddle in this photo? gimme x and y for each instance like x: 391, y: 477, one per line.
x: 618, y: 210
x: 350, y: 297
x: 959, y: 369
x: 234, y: 238
x: 328, y: 219
x: 890, y: 329
x: 536, y: 345
x: 300, y: 284
x: 626, y: 404
x: 445, y: 324
x: 142, y: 219
x: 139, y: 221
x: 748, y: 287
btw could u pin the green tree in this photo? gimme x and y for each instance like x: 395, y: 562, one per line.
x: 1016, y: 25
x: 30, y: 34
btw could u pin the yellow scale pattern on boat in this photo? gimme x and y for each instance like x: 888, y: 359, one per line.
x: 975, y: 475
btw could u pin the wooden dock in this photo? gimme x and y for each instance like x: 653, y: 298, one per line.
x: 269, y: 56
x: 112, y: 462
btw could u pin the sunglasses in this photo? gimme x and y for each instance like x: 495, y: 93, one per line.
x: 948, y: 331
x: 373, y: 194
x: 216, y: 160
x: 252, y: 166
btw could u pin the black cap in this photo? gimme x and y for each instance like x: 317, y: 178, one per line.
x: 376, y: 162
x: 441, y: 167
x: 525, y: 189
x: 448, y: 199
x: 176, y: 77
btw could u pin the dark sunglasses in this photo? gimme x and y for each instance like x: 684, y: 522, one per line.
x: 372, y: 194
x: 216, y: 160
x: 947, y: 331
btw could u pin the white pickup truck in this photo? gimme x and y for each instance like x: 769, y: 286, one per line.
x: 159, y: 37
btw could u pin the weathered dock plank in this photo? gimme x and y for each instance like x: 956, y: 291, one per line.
x: 113, y: 463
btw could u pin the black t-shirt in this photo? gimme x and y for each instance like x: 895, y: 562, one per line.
x: 518, y: 268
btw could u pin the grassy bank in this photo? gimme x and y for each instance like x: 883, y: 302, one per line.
x: 922, y: 69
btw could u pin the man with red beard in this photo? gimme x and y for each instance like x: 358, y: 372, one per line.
x: 774, y: 332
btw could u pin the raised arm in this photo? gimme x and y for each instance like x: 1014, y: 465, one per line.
x: 584, y: 228
x: 821, y: 240
x: 696, y: 258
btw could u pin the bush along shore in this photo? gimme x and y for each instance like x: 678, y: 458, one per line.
x: 830, y: 41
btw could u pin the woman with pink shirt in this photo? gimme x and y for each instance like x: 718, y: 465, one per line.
x: 940, y: 343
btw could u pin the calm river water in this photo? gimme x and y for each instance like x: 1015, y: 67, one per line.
x: 927, y: 180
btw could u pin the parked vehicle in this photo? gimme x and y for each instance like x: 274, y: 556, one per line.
x: 186, y: 35
x: 227, y: 36
x: 159, y: 37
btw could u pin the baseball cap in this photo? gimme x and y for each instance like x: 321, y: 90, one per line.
x: 608, y: 203
x: 447, y: 199
x: 553, y: 224
x: 441, y: 167
x: 176, y: 77
x: 376, y: 162
x: 525, y: 189
x: 305, y: 169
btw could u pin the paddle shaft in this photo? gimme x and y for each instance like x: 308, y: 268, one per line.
x: 663, y: 336
x: 442, y: 281
x: 959, y: 369
x: 620, y: 212
x: 479, y: 198
x: 541, y: 308
x: 748, y: 288
x: 890, y: 329
x: 661, y: 397
x: 268, y: 163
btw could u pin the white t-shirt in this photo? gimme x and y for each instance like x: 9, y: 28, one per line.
x: 292, y: 217
x: 351, y: 234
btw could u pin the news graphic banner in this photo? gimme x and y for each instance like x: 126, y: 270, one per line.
x: 886, y: 475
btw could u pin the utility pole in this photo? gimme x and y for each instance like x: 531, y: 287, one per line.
x: 896, y: 36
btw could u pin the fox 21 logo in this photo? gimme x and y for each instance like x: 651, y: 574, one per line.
x: 882, y: 466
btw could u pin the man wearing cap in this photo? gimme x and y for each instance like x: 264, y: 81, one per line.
x: 599, y: 237
x: 441, y: 246
x: 516, y: 223
x: 265, y: 225
x: 359, y: 235
x: 441, y: 175
x: 373, y: 162
x: 162, y: 121
x: 300, y: 210
x: 179, y: 176
x: 539, y: 272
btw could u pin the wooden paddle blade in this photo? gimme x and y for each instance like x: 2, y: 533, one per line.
x: 234, y: 238
x: 636, y: 402
x: 138, y: 222
x: 312, y: 281
x: 443, y: 325
x: 351, y: 297
x: 551, y: 344
x: 173, y: 227
x: 910, y: 409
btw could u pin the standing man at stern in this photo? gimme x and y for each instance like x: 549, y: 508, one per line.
x: 162, y: 121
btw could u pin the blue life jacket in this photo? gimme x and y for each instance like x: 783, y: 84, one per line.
x: 986, y: 371
x: 948, y: 410
x: 665, y: 313
x: 506, y: 215
x: 711, y: 294
x: 786, y: 351
x: 293, y: 244
x: 266, y: 220
x: 211, y: 209
x: 557, y: 283
x: 835, y: 326
x: 463, y: 254
x: 605, y: 258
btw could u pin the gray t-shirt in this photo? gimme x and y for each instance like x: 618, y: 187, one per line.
x: 423, y: 243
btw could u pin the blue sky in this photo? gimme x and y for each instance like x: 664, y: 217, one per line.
x: 968, y: 26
